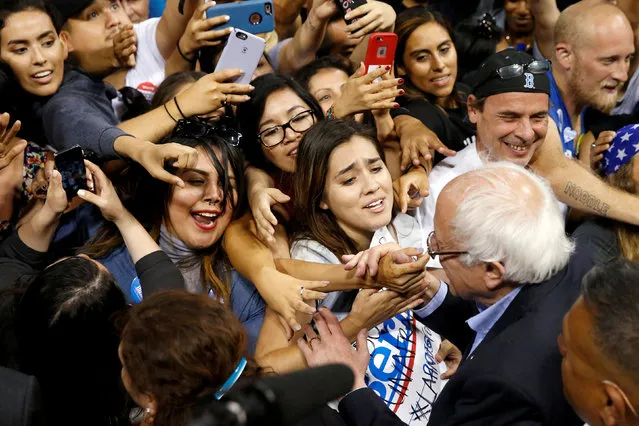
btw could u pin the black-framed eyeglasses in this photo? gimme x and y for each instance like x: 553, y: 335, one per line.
x: 200, y: 129
x: 275, y: 135
x: 507, y: 72
x: 433, y: 250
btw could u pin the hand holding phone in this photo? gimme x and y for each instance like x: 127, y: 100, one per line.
x: 346, y: 6
x: 70, y: 164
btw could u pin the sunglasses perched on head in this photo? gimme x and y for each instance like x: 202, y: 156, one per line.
x: 196, y: 128
x: 515, y: 70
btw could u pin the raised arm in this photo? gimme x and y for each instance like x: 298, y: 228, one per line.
x: 371, y: 307
x: 303, y: 48
x: 580, y: 188
x: 204, y: 96
x: 38, y: 232
x: 546, y: 14
x: 287, y: 16
x: 172, y: 25
x: 254, y: 260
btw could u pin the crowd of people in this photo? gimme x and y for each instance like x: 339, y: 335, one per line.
x: 461, y: 228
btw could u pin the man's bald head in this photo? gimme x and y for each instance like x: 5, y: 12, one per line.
x: 583, y: 21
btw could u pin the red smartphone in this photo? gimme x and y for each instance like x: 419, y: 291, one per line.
x: 380, y: 51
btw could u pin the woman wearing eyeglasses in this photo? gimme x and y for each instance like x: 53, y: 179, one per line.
x: 343, y: 204
x: 188, y: 222
x: 427, y: 60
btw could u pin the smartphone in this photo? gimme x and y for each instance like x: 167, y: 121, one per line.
x: 70, y: 164
x: 243, y: 50
x: 346, y: 6
x: 253, y: 16
x: 380, y: 51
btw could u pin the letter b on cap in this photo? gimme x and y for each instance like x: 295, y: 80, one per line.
x: 530, y: 81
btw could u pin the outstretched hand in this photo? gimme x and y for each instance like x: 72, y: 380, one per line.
x: 331, y: 346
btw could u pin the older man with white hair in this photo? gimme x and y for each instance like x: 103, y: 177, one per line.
x: 500, y: 238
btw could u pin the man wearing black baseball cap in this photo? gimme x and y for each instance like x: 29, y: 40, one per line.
x: 509, y: 104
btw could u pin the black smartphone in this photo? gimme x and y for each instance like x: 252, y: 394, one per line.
x: 70, y: 164
x: 347, y: 5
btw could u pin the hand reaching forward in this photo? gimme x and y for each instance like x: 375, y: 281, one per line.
x: 104, y: 196
x: 331, y: 346
x: 10, y: 148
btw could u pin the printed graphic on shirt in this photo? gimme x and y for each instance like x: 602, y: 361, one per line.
x: 402, y: 369
x: 148, y: 89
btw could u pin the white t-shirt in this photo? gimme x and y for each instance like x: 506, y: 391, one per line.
x: 148, y: 72
x: 402, y: 369
x: 449, y: 168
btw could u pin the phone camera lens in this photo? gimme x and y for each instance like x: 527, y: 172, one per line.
x: 268, y: 8
x: 241, y: 35
x: 255, y: 18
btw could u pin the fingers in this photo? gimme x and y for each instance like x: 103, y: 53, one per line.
x: 313, y: 295
x: 16, y: 150
x: 352, y: 260
x: 331, y: 320
x: 92, y: 198
x: 361, y: 266
x: 309, y: 332
x: 4, y: 121
x: 201, y: 10
x: 357, y: 12
x: 159, y: 173
x: 302, y: 307
x: 13, y: 131
x: 362, y: 344
x: 305, y: 348
x: 225, y: 74
x: 403, y: 194
x: 441, y: 148
x: 292, y: 322
x: 321, y: 325
x: 374, y: 24
x: 100, y: 181
x: 279, y: 197
x: 234, y: 88
x: 186, y: 158
x: 263, y: 220
x: 404, y: 255
x: 206, y: 37
x: 371, y: 76
x: 314, y: 285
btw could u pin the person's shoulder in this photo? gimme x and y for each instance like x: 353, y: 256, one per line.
x: 450, y: 167
x: 408, y: 231
x: 312, y: 251
x: 146, y: 24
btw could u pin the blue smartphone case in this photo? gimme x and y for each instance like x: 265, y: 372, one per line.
x: 252, y: 16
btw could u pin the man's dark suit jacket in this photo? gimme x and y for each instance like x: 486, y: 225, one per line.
x: 19, y: 399
x: 514, y: 376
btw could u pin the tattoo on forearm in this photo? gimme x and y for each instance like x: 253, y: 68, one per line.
x: 587, y: 199
x: 309, y: 22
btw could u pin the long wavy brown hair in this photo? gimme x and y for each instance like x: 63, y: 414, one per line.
x: 180, y: 347
x: 309, y: 220
x: 627, y: 234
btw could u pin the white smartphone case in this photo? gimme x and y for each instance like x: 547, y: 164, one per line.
x: 243, y: 50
